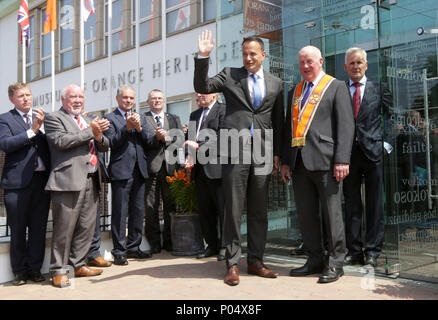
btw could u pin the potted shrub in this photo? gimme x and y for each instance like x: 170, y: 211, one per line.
x: 185, y: 226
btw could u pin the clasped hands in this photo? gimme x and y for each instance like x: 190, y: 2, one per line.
x: 133, y: 122
x: 98, y: 126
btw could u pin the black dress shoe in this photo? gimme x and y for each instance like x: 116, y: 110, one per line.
x: 350, y: 260
x: 209, y: 252
x: 306, y: 270
x: 20, y: 279
x: 120, y: 260
x: 35, y: 276
x: 298, y: 251
x: 139, y: 255
x: 221, y: 255
x: 167, y: 246
x: 369, y: 260
x: 331, y: 274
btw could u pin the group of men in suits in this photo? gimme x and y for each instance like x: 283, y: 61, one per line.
x: 331, y: 134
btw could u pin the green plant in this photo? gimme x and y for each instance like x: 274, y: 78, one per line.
x: 182, y: 190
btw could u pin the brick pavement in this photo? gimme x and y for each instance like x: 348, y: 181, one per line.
x: 166, y: 277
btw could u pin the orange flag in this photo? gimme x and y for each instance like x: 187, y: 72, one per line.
x: 50, y: 18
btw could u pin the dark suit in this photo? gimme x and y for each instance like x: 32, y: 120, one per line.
x: 239, y: 180
x: 74, y: 191
x: 328, y: 141
x: 208, y: 177
x: 367, y: 162
x: 27, y: 204
x: 128, y: 173
x: 156, y: 185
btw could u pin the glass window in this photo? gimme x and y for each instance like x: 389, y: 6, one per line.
x: 30, y: 51
x: 45, y: 52
x: 177, y: 15
x: 116, y: 26
x: 90, y: 37
x: 66, y: 26
x: 148, y: 25
x: 226, y: 8
x: 180, y: 109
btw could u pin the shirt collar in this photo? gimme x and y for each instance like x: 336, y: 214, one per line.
x: 22, y: 113
x: 161, y: 114
x: 362, y: 81
x: 259, y: 73
x: 318, y: 78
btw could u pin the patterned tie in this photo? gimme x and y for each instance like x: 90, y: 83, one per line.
x: 256, y: 92
x: 356, y: 99
x: 92, y: 153
x: 27, y: 120
x: 159, y: 125
x: 204, y: 117
x: 306, y: 94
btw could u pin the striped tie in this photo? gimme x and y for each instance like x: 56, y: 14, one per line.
x: 93, y: 156
x: 27, y: 120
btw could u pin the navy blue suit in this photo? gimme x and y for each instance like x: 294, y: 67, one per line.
x: 128, y: 172
x: 27, y: 204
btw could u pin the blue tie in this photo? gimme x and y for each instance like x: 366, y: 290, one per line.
x: 27, y: 121
x: 159, y: 125
x: 306, y: 94
x: 256, y: 92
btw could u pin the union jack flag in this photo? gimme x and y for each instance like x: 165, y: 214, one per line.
x: 23, y: 21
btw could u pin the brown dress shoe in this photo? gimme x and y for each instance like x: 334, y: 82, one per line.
x: 87, y: 272
x: 232, y: 277
x: 61, y: 281
x: 259, y: 269
x: 99, y: 262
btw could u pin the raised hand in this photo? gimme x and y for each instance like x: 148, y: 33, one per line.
x: 205, y: 43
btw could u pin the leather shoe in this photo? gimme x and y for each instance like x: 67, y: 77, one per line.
x: 207, y: 253
x: 99, y: 262
x: 139, y: 255
x: 167, y: 246
x: 350, y: 260
x: 232, y: 277
x: 87, y: 272
x: 221, y: 255
x: 369, y: 260
x: 331, y: 274
x: 259, y: 269
x: 306, y: 270
x: 35, y: 276
x: 20, y: 279
x: 61, y: 281
x: 298, y: 251
x: 120, y: 260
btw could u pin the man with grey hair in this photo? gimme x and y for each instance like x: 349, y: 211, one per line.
x: 369, y: 101
x: 128, y: 135
x: 75, y: 142
x: 319, y: 132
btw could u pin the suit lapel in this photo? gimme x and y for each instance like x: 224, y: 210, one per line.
x: 268, y: 86
x: 244, y: 84
x: 18, y: 119
x: 119, y: 117
x: 69, y: 120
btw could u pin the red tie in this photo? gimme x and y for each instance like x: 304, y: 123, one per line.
x: 93, y: 157
x: 356, y: 99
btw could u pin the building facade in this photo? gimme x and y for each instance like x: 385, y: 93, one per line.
x: 398, y: 36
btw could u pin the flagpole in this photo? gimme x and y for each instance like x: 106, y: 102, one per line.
x: 137, y: 52
x: 81, y: 45
x: 23, y: 42
x: 53, y: 69
x: 110, y: 54
x: 163, y: 49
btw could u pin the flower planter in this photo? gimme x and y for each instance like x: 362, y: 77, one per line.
x: 186, y: 234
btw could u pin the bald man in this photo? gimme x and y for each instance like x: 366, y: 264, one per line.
x: 319, y: 132
x: 77, y: 171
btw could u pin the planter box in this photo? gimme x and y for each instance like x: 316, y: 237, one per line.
x: 186, y: 234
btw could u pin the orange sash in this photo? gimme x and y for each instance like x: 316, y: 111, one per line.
x: 301, y: 120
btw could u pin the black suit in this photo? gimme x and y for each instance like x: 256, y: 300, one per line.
x: 328, y: 141
x: 157, y: 186
x: 27, y: 204
x: 367, y: 162
x: 245, y: 180
x: 128, y: 173
x: 208, y: 176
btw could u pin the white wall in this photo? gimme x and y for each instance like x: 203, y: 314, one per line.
x: 8, y: 57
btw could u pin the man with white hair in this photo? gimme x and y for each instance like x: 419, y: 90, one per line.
x: 77, y: 171
x: 319, y: 132
x: 369, y: 100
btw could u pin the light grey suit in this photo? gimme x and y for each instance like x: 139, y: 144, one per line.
x: 74, y: 192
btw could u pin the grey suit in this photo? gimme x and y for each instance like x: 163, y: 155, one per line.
x: 328, y: 141
x: 240, y: 181
x: 156, y: 185
x: 74, y: 192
